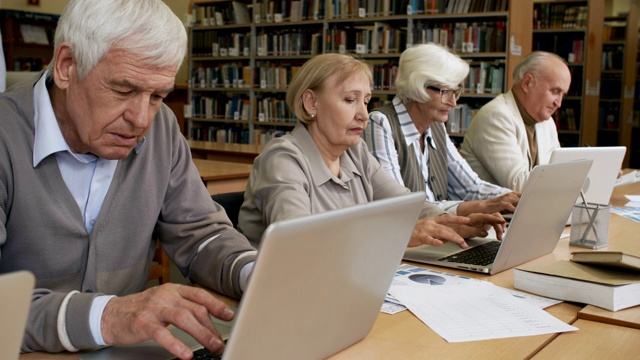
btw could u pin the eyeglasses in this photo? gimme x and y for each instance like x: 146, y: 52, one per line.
x: 447, y: 95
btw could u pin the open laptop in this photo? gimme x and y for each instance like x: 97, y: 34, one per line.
x: 598, y: 185
x: 601, y: 179
x: 15, y: 300
x: 317, y: 285
x: 535, y: 228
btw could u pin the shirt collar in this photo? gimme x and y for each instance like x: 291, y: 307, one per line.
x: 48, y: 137
x: 319, y: 170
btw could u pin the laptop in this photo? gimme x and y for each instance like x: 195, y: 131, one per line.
x: 535, y: 229
x: 317, y: 285
x: 607, y: 161
x: 16, y: 289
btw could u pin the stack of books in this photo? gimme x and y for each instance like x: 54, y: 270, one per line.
x: 607, y: 279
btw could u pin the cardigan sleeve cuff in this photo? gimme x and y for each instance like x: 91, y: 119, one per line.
x: 77, y: 321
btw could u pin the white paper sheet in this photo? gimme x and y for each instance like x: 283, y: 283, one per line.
x: 393, y: 305
x: 463, y: 309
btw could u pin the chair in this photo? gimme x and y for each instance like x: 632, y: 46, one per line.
x: 231, y: 202
x: 161, y: 270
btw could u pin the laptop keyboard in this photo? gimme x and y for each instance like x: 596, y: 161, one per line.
x: 204, y: 354
x: 480, y: 255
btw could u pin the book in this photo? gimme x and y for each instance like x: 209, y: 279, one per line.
x: 611, y: 288
x: 607, y: 258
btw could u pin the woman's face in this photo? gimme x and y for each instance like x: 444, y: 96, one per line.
x: 437, y: 110
x: 341, y: 112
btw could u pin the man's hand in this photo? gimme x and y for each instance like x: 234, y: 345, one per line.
x: 138, y: 317
x: 503, y: 204
x: 437, y: 230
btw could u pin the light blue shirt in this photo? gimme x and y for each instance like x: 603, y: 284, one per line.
x: 88, y: 177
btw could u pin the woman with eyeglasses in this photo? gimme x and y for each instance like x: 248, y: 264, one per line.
x: 409, y: 139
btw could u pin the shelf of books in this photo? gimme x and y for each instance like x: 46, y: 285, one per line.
x: 634, y: 156
x: 27, y: 39
x: 564, y: 28
x: 620, y: 37
x: 243, y: 54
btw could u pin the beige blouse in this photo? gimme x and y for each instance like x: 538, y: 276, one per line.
x: 289, y: 179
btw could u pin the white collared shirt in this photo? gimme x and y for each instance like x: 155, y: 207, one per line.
x: 463, y: 184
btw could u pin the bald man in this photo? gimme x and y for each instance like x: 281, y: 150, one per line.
x: 515, y: 131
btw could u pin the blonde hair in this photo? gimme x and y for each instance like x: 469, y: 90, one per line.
x: 315, y: 72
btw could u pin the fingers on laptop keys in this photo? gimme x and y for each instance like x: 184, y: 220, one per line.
x: 438, y: 230
x: 138, y: 317
x: 485, y: 222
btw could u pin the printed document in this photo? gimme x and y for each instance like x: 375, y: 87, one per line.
x: 461, y: 309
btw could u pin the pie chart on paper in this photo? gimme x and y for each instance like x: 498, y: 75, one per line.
x: 428, y: 279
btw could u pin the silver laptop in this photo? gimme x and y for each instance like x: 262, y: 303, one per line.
x: 601, y: 179
x: 535, y: 228
x: 16, y: 289
x: 317, y: 285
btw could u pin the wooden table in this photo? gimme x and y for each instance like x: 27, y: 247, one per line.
x: 239, y: 153
x: 403, y: 336
x: 595, y: 340
x: 223, y: 176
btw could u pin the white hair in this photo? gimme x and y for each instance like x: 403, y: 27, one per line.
x: 147, y: 28
x: 428, y: 64
x: 535, y: 63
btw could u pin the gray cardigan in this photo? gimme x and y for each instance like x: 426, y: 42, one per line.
x: 155, y: 194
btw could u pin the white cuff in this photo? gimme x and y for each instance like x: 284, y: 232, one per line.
x: 95, y: 317
x: 62, y: 323
x: 244, y: 275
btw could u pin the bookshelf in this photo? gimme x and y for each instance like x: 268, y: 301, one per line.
x: 27, y: 39
x: 634, y: 156
x: 260, y: 49
x: 571, y: 30
x: 619, y: 52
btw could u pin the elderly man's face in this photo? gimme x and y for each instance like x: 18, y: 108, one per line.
x: 110, y: 111
x: 544, y: 92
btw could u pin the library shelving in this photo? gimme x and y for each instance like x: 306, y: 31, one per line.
x: 634, y: 149
x: 568, y: 29
x: 619, y: 52
x: 27, y: 39
x: 244, y: 53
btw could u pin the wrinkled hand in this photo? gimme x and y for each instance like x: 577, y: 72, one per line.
x: 436, y: 231
x: 480, y: 224
x: 138, y: 317
x: 503, y: 204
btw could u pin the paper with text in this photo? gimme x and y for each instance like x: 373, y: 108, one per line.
x: 462, y: 309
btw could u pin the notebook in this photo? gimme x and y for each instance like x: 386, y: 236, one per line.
x: 535, y: 228
x: 601, y: 179
x: 317, y: 285
x: 15, y: 300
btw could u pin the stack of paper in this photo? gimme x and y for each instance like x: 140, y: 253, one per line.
x: 459, y: 308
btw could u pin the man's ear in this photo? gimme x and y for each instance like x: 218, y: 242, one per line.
x: 527, y: 83
x: 64, y: 67
x: 309, y: 102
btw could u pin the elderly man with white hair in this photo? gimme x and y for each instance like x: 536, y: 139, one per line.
x: 515, y: 131
x: 94, y: 172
